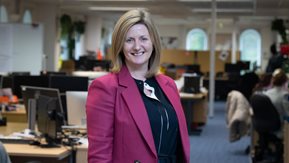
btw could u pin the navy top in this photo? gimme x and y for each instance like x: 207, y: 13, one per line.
x: 163, y: 121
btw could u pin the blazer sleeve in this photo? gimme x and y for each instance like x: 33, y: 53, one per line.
x: 100, y: 121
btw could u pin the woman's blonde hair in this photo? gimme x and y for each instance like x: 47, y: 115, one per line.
x: 125, y: 22
x: 279, y: 77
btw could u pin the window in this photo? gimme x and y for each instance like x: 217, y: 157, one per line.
x: 197, y: 39
x: 250, y: 47
x: 27, y: 18
x: 3, y: 14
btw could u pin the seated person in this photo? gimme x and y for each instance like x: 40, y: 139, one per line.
x: 264, y: 83
x: 278, y: 94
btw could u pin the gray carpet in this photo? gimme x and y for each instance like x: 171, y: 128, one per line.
x: 213, y: 145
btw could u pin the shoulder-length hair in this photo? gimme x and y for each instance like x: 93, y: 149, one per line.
x: 125, y: 22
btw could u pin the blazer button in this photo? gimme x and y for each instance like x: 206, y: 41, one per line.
x: 137, y: 161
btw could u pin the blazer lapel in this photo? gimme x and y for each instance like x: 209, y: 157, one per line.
x: 170, y: 92
x: 133, y: 99
x: 174, y: 98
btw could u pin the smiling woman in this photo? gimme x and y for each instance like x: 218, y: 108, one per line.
x: 136, y: 103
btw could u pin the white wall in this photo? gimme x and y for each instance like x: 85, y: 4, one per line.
x: 23, y: 48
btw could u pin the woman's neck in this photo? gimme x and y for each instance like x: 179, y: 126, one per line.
x: 139, y: 73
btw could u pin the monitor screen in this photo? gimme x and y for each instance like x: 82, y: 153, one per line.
x: 76, y: 114
x: 1, y: 81
x: 244, y: 65
x: 193, y: 68
x: 18, y: 81
x: 232, y: 68
x: 192, y: 83
x: 69, y: 83
x: 49, y: 112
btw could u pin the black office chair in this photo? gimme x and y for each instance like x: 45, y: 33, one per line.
x: 266, y: 121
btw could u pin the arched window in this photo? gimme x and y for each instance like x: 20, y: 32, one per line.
x: 27, y: 17
x: 3, y: 14
x: 197, y: 39
x: 250, y: 47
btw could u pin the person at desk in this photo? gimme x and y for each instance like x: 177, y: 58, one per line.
x: 275, y: 61
x: 134, y: 114
x: 279, y: 94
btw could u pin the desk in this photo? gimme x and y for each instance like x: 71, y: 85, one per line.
x: 19, y: 115
x: 81, y: 154
x: 25, y: 152
x: 12, y: 127
x: 195, y: 108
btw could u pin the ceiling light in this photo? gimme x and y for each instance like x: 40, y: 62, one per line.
x: 112, y: 8
x: 112, y: 0
x: 208, y: 10
x: 216, y: 0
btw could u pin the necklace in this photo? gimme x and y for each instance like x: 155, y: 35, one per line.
x: 149, y: 91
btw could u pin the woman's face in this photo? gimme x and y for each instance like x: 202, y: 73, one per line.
x: 137, y: 47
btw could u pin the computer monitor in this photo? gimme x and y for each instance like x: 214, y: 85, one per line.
x: 192, y: 83
x: 244, y: 65
x: 76, y: 114
x: 18, y: 73
x: 49, y: 112
x: 68, y: 83
x: 30, y: 80
x: 87, y: 63
x: 193, y: 68
x: 1, y: 81
x: 232, y: 68
x: 50, y: 73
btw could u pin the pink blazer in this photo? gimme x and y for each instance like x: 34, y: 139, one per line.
x: 117, y: 122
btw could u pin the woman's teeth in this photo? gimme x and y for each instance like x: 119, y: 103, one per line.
x: 137, y: 54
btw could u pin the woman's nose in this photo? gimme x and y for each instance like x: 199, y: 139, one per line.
x: 137, y: 45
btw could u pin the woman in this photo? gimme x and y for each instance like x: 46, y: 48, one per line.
x: 134, y: 114
x: 278, y: 94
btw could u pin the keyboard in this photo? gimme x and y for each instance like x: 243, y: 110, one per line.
x: 14, y: 140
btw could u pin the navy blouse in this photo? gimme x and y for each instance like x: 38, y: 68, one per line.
x: 163, y: 121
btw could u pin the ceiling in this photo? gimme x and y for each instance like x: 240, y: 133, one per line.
x: 181, y: 10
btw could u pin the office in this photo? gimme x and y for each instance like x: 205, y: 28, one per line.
x: 175, y: 31
x: 230, y: 22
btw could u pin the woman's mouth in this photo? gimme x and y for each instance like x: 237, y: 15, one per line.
x: 138, y: 54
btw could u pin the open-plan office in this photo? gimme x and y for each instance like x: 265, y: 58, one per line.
x: 219, y: 40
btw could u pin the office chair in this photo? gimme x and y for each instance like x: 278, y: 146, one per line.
x: 266, y: 121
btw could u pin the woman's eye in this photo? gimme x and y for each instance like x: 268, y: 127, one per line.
x: 144, y: 39
x: 128, y: 40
